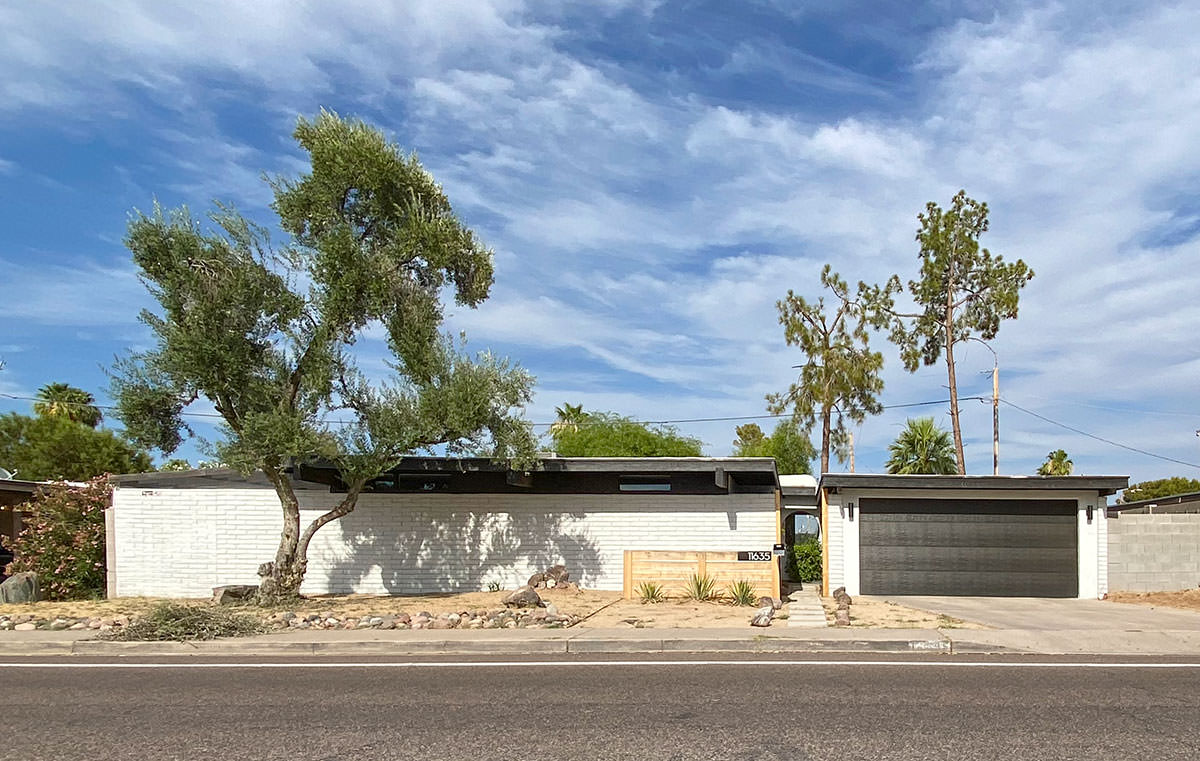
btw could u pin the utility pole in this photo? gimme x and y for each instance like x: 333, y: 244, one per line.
x: 995, y: 417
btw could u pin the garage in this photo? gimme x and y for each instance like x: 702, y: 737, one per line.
x: 986, y: 536
x: 1002, y: 548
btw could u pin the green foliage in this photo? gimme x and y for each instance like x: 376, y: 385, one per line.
x: 840, y: 372
x: 606, y: 434
x: 175, y: 464
x: 700, y: 587
x: 48, y: 448
x: 1163, y: 487
x: 181, y: 623
x: 922, y: 448
x: 741, y: 592
x: 267, y: 334
x: 62, y: 540
x: 493, y: 586
x: 1057, y: 464
x: 63, y: 400
x: 788, y: 444
x: 962, y: 294
x: 650, y: 592
x: 804, y: 560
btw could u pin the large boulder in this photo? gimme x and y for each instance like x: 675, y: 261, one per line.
x: 233, y: 594
x: 524, y: 597
x: 20, y: 587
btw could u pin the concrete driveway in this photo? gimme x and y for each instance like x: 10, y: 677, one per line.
x: 1040, y: 613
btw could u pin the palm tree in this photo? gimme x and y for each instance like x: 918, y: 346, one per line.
x: 569, y: 418
x: 1057, y: 464
x: 924, y: 448
x: 64, y: 400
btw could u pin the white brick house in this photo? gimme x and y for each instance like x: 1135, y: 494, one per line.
x: 437, y: 525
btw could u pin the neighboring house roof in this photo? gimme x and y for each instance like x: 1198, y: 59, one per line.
x: 1191, y: 500
x: 1103, y: 485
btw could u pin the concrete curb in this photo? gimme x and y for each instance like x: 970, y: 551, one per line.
x: 577, y: 645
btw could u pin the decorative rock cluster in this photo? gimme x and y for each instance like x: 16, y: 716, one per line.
x: 502, y: 618
x: 766, y: 611
x: 553, y: 577
x: 27, y: 622
x: 843, y: 601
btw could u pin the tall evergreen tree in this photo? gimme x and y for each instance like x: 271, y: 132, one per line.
x: 962, y: 294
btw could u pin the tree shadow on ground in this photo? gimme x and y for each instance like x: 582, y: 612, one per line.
x: 432, y: 551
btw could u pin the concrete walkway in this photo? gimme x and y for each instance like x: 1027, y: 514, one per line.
x: 804, y: 609
x: 1047, y: 614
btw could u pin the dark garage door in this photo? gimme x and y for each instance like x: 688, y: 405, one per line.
x: 1000, y: 548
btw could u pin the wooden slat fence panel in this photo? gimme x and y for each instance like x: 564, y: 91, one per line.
x: 673, y: 568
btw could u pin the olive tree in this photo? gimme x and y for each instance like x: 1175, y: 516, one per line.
x: 268, y: 334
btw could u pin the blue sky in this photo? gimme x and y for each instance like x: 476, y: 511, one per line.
x: 653, y: 177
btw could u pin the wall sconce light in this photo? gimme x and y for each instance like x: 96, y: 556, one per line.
x: 850, y: 509
x: 1090, y: 510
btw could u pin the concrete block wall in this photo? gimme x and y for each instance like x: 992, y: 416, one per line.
x: 1153, y: 553
x: 183, y: 542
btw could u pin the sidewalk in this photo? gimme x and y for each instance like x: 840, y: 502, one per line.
x: 601, y: 641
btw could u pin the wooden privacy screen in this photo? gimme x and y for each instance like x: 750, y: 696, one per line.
x: 672, y: 568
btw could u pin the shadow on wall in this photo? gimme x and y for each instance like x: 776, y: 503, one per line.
x: 432, y: 551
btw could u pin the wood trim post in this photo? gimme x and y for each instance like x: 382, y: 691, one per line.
x: 824, y: 513
x: 777, y: 566
x: 628, y: 585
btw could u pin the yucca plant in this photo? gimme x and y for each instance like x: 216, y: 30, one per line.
x: 742, y: 592
x: 700, y: 587
x: 650, y: 592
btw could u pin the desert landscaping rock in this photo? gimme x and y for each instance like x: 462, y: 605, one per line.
x: 20, y: 588
x: 233, y: 594
x: 524, y: 597
x: 763, y: 616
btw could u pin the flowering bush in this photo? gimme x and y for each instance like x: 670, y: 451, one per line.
x: 62, y: 540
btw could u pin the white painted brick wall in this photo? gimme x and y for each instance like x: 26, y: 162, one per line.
x: 183, y: 542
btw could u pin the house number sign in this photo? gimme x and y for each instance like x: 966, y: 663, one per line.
x: 756, y: 555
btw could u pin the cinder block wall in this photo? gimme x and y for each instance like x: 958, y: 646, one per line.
x: 183, y: 542
x: 1153, y: 553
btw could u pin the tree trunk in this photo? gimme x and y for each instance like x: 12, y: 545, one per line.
x: 282, y: 578
x: 825, y: 440
x: 958, y: 445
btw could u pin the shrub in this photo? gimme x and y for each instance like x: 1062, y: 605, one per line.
x: 742, y: 592
x: 650, y: 592
x: 175, y: 621
x: 804, y: 560
x: 62, y: 540
x: 700, y: 587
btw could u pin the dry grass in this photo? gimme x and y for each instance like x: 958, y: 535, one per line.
x: 580, y: 602
x: 1186, y: 599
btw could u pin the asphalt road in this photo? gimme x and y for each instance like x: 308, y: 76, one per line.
x: 745, y: 710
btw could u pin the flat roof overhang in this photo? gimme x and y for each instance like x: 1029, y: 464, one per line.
x: 756, y: 471
x: 1102, y: 485
x: 1174, y: 499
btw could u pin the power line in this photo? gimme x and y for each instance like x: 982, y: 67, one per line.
x: 1099, y: 438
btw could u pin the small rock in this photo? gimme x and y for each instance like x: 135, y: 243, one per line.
x: 763, y: 616
x: 233, y: 593
x: 441, y: 623
x: 384, y: 622
x: 536, y: 580
x: 25, y: 627
x: 842, y: 618
x: 403, y: 618
x: 551, y: 609
x: 557, y: 574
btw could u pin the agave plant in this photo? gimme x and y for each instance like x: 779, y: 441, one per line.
x: 700, y: 587
x: 742, y: 592
x: 650, y: 592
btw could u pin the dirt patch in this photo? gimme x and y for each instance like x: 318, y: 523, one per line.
x: 880, y: 613
x: 673, y: 614
x: 579, y: 602
x: 1187, y: 599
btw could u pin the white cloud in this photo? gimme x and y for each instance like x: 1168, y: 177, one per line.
x: 88, y: 294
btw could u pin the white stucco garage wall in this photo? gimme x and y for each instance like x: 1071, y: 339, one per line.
x: 183, y: 542
x: 843, y: 525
